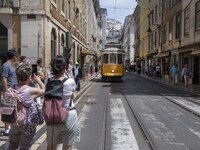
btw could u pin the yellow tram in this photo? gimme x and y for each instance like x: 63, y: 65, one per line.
x: 112, y: 63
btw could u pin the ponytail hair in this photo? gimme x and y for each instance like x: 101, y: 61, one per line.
x: 58, y: 65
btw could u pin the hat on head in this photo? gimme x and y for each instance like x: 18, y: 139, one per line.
x: 77, y: 63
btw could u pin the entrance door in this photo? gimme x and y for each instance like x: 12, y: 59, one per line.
x: 196, y: 68
x: 3, y: 38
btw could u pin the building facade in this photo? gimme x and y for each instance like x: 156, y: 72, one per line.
x: 103, y: 12
x: 44, y: 28
x: 173, y: 35
x: 128, y: 40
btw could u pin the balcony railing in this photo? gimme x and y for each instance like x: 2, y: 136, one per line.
x: 6, y: 3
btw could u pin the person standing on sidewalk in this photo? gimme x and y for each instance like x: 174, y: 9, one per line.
x: 69, y: 131
x: 174, y: 74
x: 77, y: 75
x: 186, y: 73
x: 9, y: 78
x: 158, y: 71
x: 22, y: 136
x: 69, y: 69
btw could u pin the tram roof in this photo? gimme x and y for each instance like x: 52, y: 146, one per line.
x: 112, y: 49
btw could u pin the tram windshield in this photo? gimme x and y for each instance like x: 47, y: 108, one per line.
x: 113, y: 58
x: 120, y: 59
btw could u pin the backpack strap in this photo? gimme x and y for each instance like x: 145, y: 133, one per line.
x: 65, y: 79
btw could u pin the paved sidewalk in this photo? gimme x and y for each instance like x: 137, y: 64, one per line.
x: 193, y: 88
x: 84, y: 86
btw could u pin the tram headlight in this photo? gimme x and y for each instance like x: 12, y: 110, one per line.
x: 112, y: 71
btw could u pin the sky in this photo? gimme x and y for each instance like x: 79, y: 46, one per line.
x: 123, y: 8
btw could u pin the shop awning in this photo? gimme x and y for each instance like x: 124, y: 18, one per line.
x: 195, y: 52
x: 163, y: 54
x: 88, y: 52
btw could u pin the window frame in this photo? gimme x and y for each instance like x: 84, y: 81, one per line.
x: 197, y: 16
x: 178, y: 27
x: 186, y: 21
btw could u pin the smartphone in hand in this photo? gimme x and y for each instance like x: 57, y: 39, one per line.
x: 34, y: 69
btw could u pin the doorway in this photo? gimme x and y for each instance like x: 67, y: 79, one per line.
x: 196, y: 69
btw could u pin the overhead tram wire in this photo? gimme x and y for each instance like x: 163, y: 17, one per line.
x: 118, y: 7
x: 115, y: 8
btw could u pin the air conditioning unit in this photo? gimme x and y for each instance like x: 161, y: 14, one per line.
x: 16, y: 3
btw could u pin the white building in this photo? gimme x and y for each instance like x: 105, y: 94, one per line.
x: 113, y: 31
x: 103, y: 12
x: 128, y: 39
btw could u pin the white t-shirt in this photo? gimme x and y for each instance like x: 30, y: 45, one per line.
x: 69, y: 87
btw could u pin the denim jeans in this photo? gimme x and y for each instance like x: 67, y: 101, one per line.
x: 77, y: 80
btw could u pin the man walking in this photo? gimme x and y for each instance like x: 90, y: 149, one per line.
x: 186, y: 73
x: 174, y: 74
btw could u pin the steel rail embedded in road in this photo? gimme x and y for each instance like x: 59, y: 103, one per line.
x: 171, y: 100
x: 140, y: 124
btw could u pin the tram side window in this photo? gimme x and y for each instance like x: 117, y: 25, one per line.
x: 120, y: 59
x: 105, y: 58
x: 113, y: 58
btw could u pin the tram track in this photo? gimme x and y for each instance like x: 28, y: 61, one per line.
x: 143, y: 130
x: 171, y: 100
x: 159, y: 90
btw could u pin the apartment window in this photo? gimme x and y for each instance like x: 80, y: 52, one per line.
x: 152, y: 16
x: 197, y: 13
x: 186, y: 21
x: 156, y: 12
x: 167, y: 5
x: 81, y: 23
x: 170, y: 3
x: 178, y: 26
x: 63, y: 6
x: 69, y: 10
x: 155, y: 39
x: 62, y: 44
x: 160, y: 8
x: 170, y: 30
x: 165, y: 34
x: 53, y: 43
x: 74, y: 9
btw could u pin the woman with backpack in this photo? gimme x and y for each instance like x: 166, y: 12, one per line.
x: 22, y: 136
x: 65, y: 131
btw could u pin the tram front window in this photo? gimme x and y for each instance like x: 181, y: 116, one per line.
x: 120, y: 59
x: 105, y: 58
x: 112, y: 58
